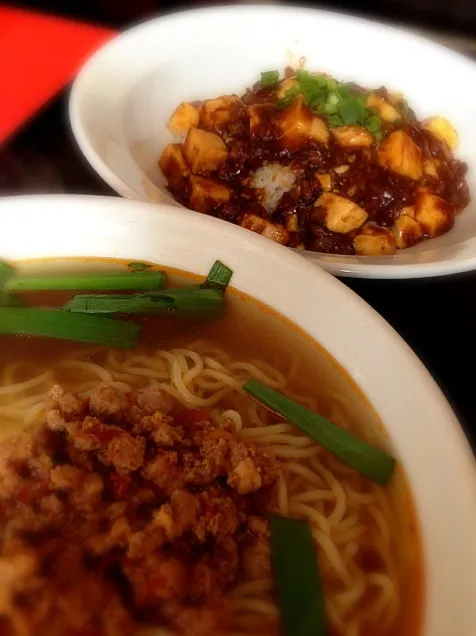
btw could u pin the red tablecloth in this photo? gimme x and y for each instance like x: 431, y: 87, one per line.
x: 39, y: 55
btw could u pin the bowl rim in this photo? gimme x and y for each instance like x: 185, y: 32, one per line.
x: 411, y: 266
x: 363, y: 343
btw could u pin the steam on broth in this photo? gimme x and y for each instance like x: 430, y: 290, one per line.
x: 364, y: 534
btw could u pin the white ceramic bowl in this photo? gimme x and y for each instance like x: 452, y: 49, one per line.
x: 124, y: 96
x: 424, y: 431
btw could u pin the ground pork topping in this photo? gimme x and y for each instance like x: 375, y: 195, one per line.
x: 128, y: 508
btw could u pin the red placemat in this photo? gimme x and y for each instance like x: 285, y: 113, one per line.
x: 39, y: 55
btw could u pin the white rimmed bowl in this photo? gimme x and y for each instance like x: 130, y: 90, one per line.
x: 424, y: 431
x: 123, y: 97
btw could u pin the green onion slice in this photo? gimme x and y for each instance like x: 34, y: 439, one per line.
x: 138, y: 266
x: 218, y: 277
x: 369, y: 460
x: 334, y: 121
x: 269, y: 78
x: 6, y: 271
x: 340, y: 103
x: 352, y: 110
x: 185, y: 302
x: 108, y: 281
x: 55, y: 323
x: 9, y: 300
x: 296, y: 577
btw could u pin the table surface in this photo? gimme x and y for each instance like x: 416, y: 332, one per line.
x: 434, y: 316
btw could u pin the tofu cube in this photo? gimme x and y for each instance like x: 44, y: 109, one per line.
x: 207, y: 194
x: 215, y: 113
x: 441, y: 128
x: 407, y: 232
x: 261, y: 118
x: 186, y: 116
x: 325, y: 180
x: 298, y: 125
x: 341, y: 169
x: 429, y: 168
x: 255, y: 118
x: 435, y: 216
x: 386, y: 111
x: 374, y: 241
x: 339, y: 214
x: 292, y: 223
x: 408, y: 210
x: 400, y: 154
x: 275, y: 232
x: 172, y: 162
x: 352, y: 137
x: 204, y: 151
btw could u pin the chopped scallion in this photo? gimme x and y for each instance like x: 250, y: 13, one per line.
x: 334, y: 121
x: 296, y: 577
x: 269, y: 79
x: 187, y: 302
x: 330, y: 109
x: 288, y: 98
x: 55, y: 323
x: 340, y: 103
x: 367, y: 459
x: 219, y: 276
x: 9, y: 300
x: 352, y: 110
x: 138, y: 266
x: 373, y: 123
x: 6, y: 271
x: 344, y: 91
x: 105, y: 281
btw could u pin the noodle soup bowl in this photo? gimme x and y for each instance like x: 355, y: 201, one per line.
x: 368, y: 359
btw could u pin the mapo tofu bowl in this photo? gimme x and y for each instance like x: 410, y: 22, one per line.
x: 355, y: 162
x: 195, y: 446
x: 317, y: 164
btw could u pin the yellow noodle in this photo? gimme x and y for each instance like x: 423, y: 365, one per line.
x: 294, y: 453
x: 258, y: 605
x: 385, y: 600
x: 309, y: 496
x: 304, y: 472
x: 332, y: 553
x: 345, y: 511
x: 276, y: 382
x: 344, y: 538
x: 254, y: 587
x: 89, y: 367
x: 275, y: 429
x: 7, y: 389
x: 301, y: 510
x: 352, y: 595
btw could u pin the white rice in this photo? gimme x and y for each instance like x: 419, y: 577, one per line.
x: 273, y: 180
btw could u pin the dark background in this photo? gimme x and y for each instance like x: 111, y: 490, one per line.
x: 435, y: 316
x: 458, y: 16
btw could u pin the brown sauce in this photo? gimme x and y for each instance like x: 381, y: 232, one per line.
x: 381, y: 192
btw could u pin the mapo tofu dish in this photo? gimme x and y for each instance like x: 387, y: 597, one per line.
x: 318, y: 164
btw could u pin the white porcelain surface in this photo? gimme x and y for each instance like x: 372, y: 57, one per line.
x: 124, y: 96
x: 424, y: 432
